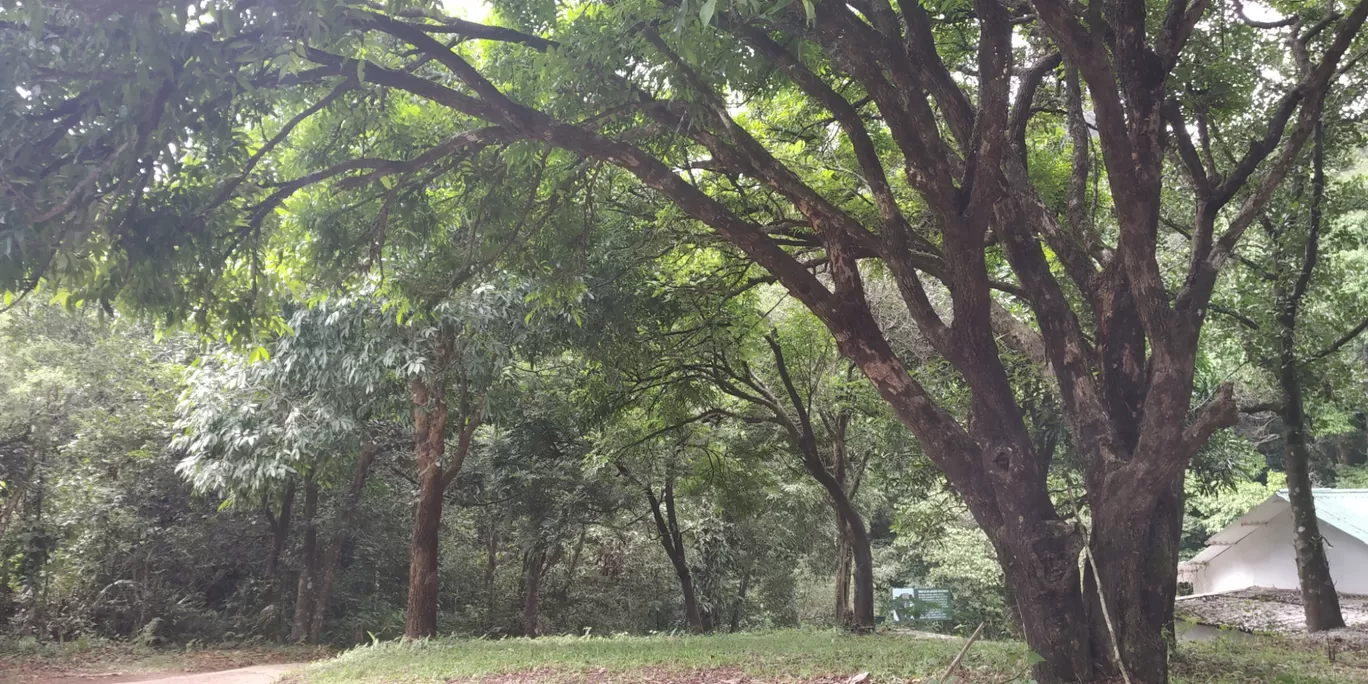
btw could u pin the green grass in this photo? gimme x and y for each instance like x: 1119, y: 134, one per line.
x: 784, y: 656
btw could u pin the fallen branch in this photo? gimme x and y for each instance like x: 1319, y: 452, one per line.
x: 945, y: 678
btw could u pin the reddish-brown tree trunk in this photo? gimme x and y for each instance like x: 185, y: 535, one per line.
x: 308, y: 571
x: 429, y: 420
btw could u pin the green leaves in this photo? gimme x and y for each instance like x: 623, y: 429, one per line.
x: 705, y: 12
x: 259, y: 353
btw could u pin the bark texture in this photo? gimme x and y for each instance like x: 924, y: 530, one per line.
x: 429, y: 421
x: 843, y: 573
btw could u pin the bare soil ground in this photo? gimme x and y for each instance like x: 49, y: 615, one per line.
x: 260, y: 674
x: 1277, y: 611
x: 115, y: 665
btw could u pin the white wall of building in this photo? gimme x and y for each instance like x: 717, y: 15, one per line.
x: 1266, y: 559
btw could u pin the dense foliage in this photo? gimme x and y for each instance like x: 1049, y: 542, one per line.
x: 333, y: 319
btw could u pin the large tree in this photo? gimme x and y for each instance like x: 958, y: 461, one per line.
x: 811, y: 138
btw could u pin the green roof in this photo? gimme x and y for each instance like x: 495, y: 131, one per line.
x: 1345, y: 509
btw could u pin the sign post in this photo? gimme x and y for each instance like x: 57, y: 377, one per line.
x: 917, y: 604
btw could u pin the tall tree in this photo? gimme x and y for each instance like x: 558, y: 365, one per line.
x: 1295, y: 316
x: 665, y: 515
x: 813, y: 422
x: 1117, y: 333
x: 292, y: 416
x: 1320, y: 601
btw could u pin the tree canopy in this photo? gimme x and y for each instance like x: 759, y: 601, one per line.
x: 1014, y: 219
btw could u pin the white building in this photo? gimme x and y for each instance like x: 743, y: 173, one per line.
x: 1256, y: 550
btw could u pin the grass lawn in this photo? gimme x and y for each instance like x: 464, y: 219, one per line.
x: 785, y: 656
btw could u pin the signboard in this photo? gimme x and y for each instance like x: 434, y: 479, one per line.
x: 911, y: 604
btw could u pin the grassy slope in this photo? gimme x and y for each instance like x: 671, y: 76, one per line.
x: 782, y: 656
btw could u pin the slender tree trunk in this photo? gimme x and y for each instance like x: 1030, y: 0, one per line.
x: 1320, y: 600
x: 667, y: 527
x: 280, y: 529
x: 280, y: 535
x: 844, y: 552
x: 862, y: 612
x: 533, y: 568
x: 491, y: 566
x: 833, y: 481
x: 346, y: 521
x: 561, y: 594
x: 735, y: 624
x: 308, y: 571
x: 429, y: 420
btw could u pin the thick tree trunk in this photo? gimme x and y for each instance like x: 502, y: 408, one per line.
x: 429, y: 420
x: 1045, y: 584
x: 1320, y: 600
x: 1136, y: 555
x: 844, y: 559
x: 862, y: 610
x: 533, y: 568
x: 308, y: 571
x: 421, y: 615
x: 346, y: 521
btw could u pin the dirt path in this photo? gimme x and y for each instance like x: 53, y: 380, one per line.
x: 259, y: 674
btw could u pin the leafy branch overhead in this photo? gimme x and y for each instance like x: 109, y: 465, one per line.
x: 1001, y: 170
